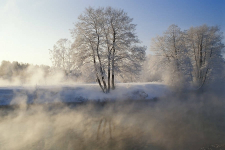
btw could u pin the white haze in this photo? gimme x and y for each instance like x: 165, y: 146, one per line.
x: 34, y: 76
x: 177, y: 122
x: 186, y: 121
x: 172, y: 123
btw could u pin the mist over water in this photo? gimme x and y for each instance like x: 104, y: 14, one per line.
x: 181, y: 121
x: 185, y: 121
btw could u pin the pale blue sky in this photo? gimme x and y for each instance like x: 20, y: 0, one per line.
x: 28, y: 28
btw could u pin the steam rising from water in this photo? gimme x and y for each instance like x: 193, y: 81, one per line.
x: 33, y: 75
x: 172, y: 123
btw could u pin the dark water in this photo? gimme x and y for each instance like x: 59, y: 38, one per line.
x: 183, y: 122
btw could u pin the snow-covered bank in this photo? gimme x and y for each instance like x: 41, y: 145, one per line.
x: 79, y: 92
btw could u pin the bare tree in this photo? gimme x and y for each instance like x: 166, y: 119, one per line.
x: 193, y: 54
x: 205, y: 49
x: 123, y: 53
x: 88, y: 42
x: 62, y: 56
x: 172, y: 47
x: 105, y: 36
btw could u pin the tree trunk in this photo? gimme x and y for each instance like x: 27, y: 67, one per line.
x: 101, y: 70
x: 99, y: 82
x: 113, y: 85
x: 200, y: 62
x: 113, y: 59
x: 96, y: 70
x: 102, y: 74
x: 113, y: 67
x: 176, y: 54
x: 109, y: 73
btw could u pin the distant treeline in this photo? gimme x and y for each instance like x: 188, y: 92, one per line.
x: 22, y: 71
x: 25, y: 73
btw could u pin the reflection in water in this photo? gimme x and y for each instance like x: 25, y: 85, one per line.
x: 186, y: 122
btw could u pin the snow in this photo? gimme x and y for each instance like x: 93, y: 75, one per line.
x: 80, y: 92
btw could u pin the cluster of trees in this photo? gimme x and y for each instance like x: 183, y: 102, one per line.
x: 64, y: 60
x: 193, y: 56
x: 105, y: 46
x: 105, y: 38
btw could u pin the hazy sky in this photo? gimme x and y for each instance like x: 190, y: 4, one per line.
x: 29, y: 28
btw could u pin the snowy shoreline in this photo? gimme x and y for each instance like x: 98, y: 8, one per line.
x: 13, y: 95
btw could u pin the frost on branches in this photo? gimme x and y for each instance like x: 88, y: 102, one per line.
x: 106, y: 38
x: 194, y: 56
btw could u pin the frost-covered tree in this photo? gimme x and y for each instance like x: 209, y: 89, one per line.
x: 62, y: 56
x: 205, y: 50
x: 88, y: 42
x: 106, y: 38
x: 126, y: 56
x: 193, y: 55
x: 171, y: 46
